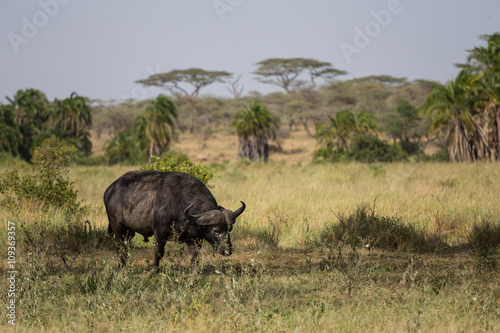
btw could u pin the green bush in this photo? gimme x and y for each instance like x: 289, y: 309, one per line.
x: 369, y: 149
x: 126, y: 149
x: 50, y: 187
x: 364, y: 148
x: 440, y: 156
x: 178, y: 162
x: 411, y: 147
x: 330, y: 154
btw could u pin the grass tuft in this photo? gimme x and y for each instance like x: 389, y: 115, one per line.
x: 485, y: 234
x: 364, y: 227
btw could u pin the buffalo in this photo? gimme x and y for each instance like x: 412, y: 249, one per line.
x: 169, y: 206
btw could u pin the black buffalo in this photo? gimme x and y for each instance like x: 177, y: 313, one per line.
x: 168, y: 206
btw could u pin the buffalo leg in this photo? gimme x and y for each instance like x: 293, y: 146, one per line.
x: 123, y: 242
x: 159, y: 252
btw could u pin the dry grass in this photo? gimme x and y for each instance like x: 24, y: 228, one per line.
x: 278, y: 279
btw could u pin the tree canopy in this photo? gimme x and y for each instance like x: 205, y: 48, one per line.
x: 466, y: 112
x: 157, y: 125
x: 30, y: 118
x: 340, y: 129
x: 404, y: 127
x: 285, y: 72
x: 196, y: 77
x: 254, y: 126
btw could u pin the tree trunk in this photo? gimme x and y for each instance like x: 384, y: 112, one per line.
x: 493, y: 132
x: 479, y: 138
x: 151, y: 144
x: 304, y: 123
x: 254, y: 147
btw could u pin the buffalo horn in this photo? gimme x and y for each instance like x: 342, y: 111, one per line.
x: 188, y: 215
x: 239, y: 211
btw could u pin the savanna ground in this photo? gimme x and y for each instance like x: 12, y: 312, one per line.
x: 288, y: 273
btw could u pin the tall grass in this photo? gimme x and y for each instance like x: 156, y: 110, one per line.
x: 282, y: 277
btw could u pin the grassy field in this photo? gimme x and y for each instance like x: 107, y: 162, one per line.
x: 288, y: 273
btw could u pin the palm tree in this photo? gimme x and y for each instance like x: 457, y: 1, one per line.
x: 157, y: 125
x: 254, y: 127
x: 31, y: 114
x: 491, y: 91
x: 484, y: 59
x: 486, y: 62
x: 338, y: 132
x: 72, y: 119
x: 73, y: 115
x: 452, y: 109
x: 367, y: 122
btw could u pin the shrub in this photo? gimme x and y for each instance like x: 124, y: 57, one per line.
x: 178, y: 162
x: 330, y: 154
x: 485, y: 240
x: 364, y: 227
x: 50, y: 187
x: 364, y: 148
x: 9, y: 161
x: 369, y: 148
x: 440, y: 156
x: 126, y: 149
x: 411, y: 147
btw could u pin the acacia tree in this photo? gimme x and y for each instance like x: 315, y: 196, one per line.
x: 403, y: 127
x: 157, y: 125
x: 196, y: 77
x: 234, y: 87
x: 301, y: 110
x: 254, y: 127
x: 285, y: 73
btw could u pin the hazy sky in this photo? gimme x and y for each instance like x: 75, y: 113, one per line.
x: 99, y: 48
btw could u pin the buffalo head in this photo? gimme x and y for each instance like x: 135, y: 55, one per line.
x: 215, y: 226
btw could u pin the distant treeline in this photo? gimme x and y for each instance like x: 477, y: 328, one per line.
x: 344, y: 116
x: 30, y: 118
x: 300, y: 108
